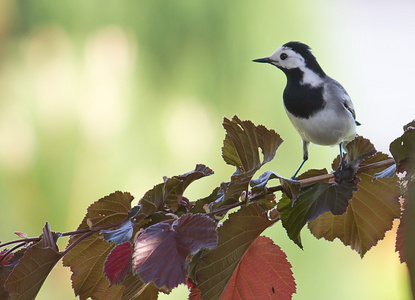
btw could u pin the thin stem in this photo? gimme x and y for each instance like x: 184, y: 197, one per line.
x: 11, y: 250
x: 86, y: 231
x: 226, y: 208
x: 27, y: 240
x: 94, y: 229
x: 80, y: 239
x: 383, y: 163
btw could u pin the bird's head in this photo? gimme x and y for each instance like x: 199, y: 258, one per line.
x: 293, y: 55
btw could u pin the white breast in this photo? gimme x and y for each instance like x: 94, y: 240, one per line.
x: 326, y: 127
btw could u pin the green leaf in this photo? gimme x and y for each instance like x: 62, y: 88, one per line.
x: 313, y: 201
x: 241, y: 149
x: 263, y: 273
x: 369, y: 215
x: 403, y: 150
x: 87, y: 258
x: 238, y: 232
x: 27, y: 277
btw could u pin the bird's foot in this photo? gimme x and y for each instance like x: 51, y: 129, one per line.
x: 345, y: 172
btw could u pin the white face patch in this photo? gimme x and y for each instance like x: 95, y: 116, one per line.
x: 294, y: 60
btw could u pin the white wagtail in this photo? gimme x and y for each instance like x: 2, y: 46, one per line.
x: 318, y: 106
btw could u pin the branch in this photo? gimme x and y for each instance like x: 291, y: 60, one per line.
x: 252, y: 198
x: 85, y: 231
x: 303, y: 182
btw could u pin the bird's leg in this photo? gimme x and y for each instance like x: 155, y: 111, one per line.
x: 341, y: 165
x: 298, y: 170
x: 305, y: 157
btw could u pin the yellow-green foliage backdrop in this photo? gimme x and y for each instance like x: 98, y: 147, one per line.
x: 98, y: 96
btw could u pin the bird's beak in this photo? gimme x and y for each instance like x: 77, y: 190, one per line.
x: 262, y: 60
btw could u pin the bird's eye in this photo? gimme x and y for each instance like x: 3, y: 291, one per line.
x: 283, y: 56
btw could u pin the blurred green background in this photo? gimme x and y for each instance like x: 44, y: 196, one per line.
x: 98, y: 96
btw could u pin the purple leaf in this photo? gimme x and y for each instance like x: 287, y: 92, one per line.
x: 118, y: 263
x: 160, y: 252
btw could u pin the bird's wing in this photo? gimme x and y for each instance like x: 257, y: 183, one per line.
x: 348, y: 104
x: 339, y: 92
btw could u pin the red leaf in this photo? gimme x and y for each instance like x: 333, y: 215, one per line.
x: 118, y: 263
x: 263, y: 273
x: 161, y: 250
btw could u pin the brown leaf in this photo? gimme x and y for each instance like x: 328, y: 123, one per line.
x: 27, y: 277
x: 87, y: 258
x: 369, y: 215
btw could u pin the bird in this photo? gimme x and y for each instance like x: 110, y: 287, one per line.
x: 317, y: 105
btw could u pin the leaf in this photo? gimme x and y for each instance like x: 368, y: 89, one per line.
x: 87, y: 258
x: 313, y: 201
x: 216, y: 267
x: 242, y: 140
x: 241, y: 149
x: 6, y: 268
x: 290, y: 187
x: 369, y: 215
x: 388, y: 172
x: 27, y: 277
x: 168, y: 192
x: 118, y: 263
x: 134, y: 288
x: 21, y: 234
x: 358, y: 150
x: 199, y: 205
x: 403, y: 150
x: 259, y: 184
x: 263, y: 273
x: 161, y: 251
x: 120, y: 235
